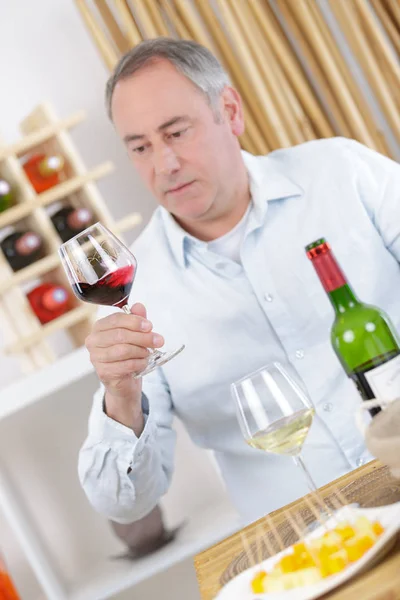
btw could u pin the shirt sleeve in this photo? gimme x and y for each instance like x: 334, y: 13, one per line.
x: 111, y: 449
x: 378, y: 181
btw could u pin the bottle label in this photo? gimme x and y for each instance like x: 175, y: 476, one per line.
x: 384, y: 380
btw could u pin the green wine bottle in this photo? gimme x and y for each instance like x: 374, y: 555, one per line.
x: 6, y: 195
x: 362, y: 335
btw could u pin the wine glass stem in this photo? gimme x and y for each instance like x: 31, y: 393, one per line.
x: 324, y: 509
x: 310, y: 481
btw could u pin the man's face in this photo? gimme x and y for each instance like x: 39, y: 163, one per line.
x: 180, y: 148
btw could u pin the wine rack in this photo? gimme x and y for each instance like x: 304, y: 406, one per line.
x: 25, y: 336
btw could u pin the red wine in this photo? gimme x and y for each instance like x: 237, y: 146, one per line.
x: 111, y: 290
x: 22, y: 248
x: 49, y: 301
x: 70, y: 221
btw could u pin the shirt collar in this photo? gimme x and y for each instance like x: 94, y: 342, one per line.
x: 267, y: 183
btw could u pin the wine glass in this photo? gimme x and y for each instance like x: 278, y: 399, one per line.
x: 101, y: 270
x: 274, y: 412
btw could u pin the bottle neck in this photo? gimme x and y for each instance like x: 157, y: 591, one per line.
x: 50, y: 165
x: 343, y: 299
x: 333, y: 280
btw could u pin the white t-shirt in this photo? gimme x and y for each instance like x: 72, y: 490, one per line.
x: 229, y: 244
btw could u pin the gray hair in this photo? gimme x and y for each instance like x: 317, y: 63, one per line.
x: 193, y: 60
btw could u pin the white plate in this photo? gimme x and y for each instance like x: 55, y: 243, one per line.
x: 239, y: 588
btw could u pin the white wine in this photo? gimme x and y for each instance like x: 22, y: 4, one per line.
x: 285, y: 436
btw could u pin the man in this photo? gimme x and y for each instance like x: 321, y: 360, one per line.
x: 222, y: 268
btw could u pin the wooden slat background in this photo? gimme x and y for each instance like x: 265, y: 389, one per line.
x: 282, y: 57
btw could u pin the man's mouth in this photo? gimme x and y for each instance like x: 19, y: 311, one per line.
x: 179, y: 188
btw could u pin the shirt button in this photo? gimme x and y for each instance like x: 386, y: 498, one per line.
x: 268, y: 297
x: 328, y: 407
x: 299, y: 354
x: 360, y: 462
x: 220, y: 265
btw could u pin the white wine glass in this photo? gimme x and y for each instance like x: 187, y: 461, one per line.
x: 274, y: 412
x: 101, y: 270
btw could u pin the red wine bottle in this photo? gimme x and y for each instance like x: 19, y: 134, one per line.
x: 70, y: 221
x: 49, y: 301
x: 8, y: 591
x: 111, y: 290
x: 22, y: 248
x: 43, y: 170
x: 362, y: 336
x: 6, y: 195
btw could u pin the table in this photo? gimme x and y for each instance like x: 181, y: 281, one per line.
x: 370, y: 485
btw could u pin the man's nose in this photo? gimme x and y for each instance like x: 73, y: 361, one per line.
x: 165, y: 161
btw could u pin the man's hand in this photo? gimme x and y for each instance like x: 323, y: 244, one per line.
x: 118, y: 347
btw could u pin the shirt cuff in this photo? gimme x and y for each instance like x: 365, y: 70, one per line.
x: 107, y: 430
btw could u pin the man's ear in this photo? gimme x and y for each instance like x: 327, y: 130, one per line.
x: 233, y: 109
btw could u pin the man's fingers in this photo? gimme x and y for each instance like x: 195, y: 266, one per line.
x: 109, y: 372
x: 115, y: 337
x: 119, y: 346
x: 139, y: 310
x: 122, y: 321
x: 117, y: 353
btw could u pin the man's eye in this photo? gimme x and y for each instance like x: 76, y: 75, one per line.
x: 178, y: 134
x: 139, y: 149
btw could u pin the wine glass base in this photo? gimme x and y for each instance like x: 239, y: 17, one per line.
x: 157, y: 359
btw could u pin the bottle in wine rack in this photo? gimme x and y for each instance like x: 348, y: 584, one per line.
x: 49, y: 301
x: 44, y: 170
x: 70, y: 221
x: 6, y: 195
x: 21, y: 248
x: 362, y: 335
x: 7, y: 588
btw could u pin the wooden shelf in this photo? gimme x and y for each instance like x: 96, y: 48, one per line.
x: 19, y: 211
x: 36, y: 269
x: 49, y: 380
x: 72, y: 317
x: 202, y: 531
x: 16, y: 213
x: 45, y: 371
x: 73, y: 184
x: 128, y: 222
x: 38, y: 137
x: 43, y: 131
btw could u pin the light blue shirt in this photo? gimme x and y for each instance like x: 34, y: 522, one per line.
x: 235, y: 318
